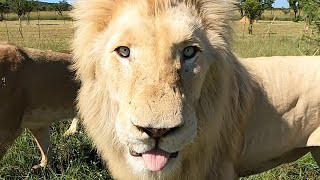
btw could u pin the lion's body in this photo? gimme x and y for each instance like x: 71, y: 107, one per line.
x: 155, y: 111
x: 286, y: 111
x: 37, y: 88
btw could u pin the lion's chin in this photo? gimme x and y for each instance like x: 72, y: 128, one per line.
x: 156, y: 159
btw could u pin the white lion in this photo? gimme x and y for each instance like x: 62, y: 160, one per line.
x: 163, y: 97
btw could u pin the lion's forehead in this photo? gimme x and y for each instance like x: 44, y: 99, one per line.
x: 135, y: 27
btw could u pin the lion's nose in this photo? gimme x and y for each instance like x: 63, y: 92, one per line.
x: 156, y: 133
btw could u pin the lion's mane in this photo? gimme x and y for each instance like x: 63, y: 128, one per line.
x: 225, y: 101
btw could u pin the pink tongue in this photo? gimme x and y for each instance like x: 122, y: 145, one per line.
x: 156, y: 159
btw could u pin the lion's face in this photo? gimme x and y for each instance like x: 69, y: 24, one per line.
x: 152, y: 63
x: 154, y: 68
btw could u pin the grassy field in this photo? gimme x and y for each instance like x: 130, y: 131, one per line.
x: 42, y: 15
x: 278, y: 14
x: 74, y: 156
x: 272, y: 38
x: 54, y: 35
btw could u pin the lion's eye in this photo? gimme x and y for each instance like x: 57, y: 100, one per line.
x: 190, y: 51
x: 123, y: 51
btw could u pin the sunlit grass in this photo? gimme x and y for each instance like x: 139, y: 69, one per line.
x: 50, y: 35
x: 42, y: 15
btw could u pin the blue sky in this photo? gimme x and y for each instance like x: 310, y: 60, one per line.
x: 278, y: 3
x: 55, y: 1
x: 281, y: 3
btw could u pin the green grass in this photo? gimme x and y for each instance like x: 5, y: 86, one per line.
x: 75, y: 158
x: 278, y: 15
x: 277, y: 38
x: 54, y: 35
x: 42, y: 15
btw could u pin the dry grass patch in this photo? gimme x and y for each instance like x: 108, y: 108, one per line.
x: 54, y: 35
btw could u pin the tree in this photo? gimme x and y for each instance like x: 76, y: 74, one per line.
x: 4, y: 8
x: 266, y: 4
x: 17, y: 6
x: 61, y: 6
x: 38, y: 8
x: 252, y: 9
x: 311, y: 11
x: 1, y: 11
x: 239, y: 5
x: 21, y: 8
x: 295, y: 5
x: 29, y: 6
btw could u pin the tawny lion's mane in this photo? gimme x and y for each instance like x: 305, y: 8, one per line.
x: 221, y: 112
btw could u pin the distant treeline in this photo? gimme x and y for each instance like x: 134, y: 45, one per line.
x: 23, y: 8
x: 37, y: 5
x: 44, y: 6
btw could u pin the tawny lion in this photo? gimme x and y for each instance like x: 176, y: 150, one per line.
x: 36, y: 88
x: 163, y: 97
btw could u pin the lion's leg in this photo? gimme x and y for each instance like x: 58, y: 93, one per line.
x: 73, y: 127
x: 7, y: 137
x: 5, y: 143
x: 9, y: 125
x: 272, y: 163
x: 227, y: 172
x: 42, y: 138
x: 315, y: 152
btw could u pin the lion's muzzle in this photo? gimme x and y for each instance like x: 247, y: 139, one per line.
x: 154, y: 125
x: 155, y: 159
x: 156, y: 133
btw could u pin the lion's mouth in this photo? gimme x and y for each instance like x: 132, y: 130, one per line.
x: 135, y: 154
x: 155, y: 159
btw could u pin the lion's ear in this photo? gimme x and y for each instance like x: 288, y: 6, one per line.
x: 10, y: 59
x: 91, y: 17
x: 9, y: 54
x: 94, y: 13
x: 216, y: 16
